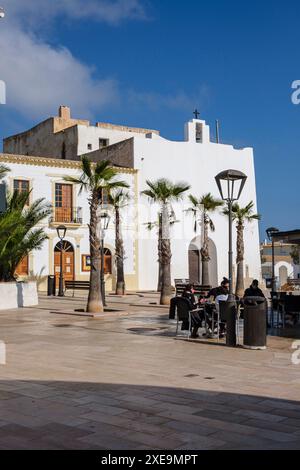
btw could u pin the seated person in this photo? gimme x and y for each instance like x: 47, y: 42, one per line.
x: 218, y: 294
x: 196, y: 315
x: 223, y: 289
x: 188, y: 293
x: 254, y: 291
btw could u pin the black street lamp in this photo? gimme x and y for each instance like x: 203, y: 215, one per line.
x: 231, y: 184
x: 104, y: 223
x: 61, y: 233
x: 270, y: 232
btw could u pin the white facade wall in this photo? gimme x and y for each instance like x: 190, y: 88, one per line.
x: 92, y: 134
x: 198, y: 164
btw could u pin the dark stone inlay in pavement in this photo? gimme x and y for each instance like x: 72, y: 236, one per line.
x: 62, y: 326
x: 144, y: 330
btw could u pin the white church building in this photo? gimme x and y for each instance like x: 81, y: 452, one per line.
x: 52, y: 149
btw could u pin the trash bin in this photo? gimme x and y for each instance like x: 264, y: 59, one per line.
x: 51, y: 285
x: 255, y: 323
x: 228, y: 315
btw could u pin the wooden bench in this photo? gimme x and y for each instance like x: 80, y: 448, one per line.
x: 80, y: 285
x: 181, y: 281
x: 198, y: 289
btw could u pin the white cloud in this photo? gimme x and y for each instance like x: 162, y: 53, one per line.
x: 33, y: 12
x: 39, y: 78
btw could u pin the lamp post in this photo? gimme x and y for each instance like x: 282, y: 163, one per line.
x: 231, y: 184
x: 61, y: 233
x: 270, y: 232
x: 104, y: 223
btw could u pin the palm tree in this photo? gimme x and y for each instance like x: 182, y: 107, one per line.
x: 204, y: 205
x: 158, y: 225
x: 241, y: 215
x: 3, y: 171
x: 96, y: 178
x: 18, y: 236
x: 119, y: 199
x: 163, y: 192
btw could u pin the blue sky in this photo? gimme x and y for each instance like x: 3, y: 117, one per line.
x: 149, y: 63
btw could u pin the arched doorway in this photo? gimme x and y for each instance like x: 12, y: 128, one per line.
x: 67, y: 261
x: 283, y: 275
x: 107, y: 261
x: 195, y: 262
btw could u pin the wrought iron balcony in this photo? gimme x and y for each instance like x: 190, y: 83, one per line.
x: 66, y: 215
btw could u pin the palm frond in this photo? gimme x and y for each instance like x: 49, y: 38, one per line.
x: 163, y: 190
x: 3, y: 171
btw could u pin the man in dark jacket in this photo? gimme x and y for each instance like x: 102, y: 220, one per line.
x: 254, y: 290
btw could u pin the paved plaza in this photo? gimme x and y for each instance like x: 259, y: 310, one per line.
x: 123, y: 381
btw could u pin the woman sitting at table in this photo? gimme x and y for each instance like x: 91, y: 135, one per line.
x: 188, y: 293
x: 197, y: 316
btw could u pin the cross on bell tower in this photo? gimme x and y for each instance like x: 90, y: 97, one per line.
x: 196, y: 114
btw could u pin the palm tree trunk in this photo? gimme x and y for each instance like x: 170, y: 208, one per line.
x: 240, y: 286
x: 120, y: 287
x: 159, y: 282
x: 166, y: 255
x: 205, y: 256
x: 94, y: 304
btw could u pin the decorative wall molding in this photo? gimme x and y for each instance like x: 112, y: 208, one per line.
x: 50, y: 162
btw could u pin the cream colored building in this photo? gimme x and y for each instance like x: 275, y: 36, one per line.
x: 45, y: 178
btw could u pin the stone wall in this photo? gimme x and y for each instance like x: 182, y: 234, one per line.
x: 43, y: 142
x: 120, y: 154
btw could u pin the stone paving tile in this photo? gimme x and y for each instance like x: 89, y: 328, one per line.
x: 219, y: 415
x: 280, y: 427
x: 15, y: 442
x: 259, y: 415
x: 216, y: 424
x: 63, y: 430
x: 282, y: 404
x: 277, y: 435
x: 156, y: 442
x: 190, y: 428
x: 197, y: 442
x: 16, y: 430
x: 109, y: 442
x: 144, y: 417
x: 107, y: 410
x: 287, y: 413
x: 243, y: 440
x: 130, y: 425
x: 292, y: 422
x: 6, y: 395
x: 23, y: 420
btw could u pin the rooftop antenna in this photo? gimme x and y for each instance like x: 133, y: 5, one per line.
x: 217, y: 131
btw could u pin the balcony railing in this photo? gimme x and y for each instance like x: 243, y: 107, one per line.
x: 66, y: 215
